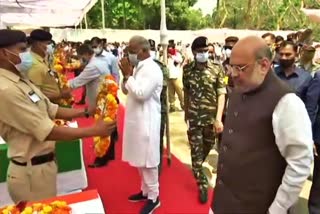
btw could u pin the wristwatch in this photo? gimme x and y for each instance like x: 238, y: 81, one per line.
x: 86, y: 113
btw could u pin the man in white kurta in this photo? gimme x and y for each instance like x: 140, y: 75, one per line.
x: 141, y: 141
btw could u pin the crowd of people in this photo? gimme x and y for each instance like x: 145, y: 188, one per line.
x: 256, y: 98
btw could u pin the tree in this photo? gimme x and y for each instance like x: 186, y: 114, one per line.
x: 241, y: 14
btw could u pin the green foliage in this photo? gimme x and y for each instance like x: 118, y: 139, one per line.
x: 240, y: 14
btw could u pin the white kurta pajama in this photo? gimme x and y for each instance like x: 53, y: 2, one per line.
x: 141, y: 140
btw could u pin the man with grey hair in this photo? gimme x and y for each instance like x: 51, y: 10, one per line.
x: 269, y: 130
x: 142, y: 83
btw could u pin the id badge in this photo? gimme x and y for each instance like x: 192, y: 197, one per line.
x: 34, y: 97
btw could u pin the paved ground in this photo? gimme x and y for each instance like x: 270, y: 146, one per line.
x: 180, y: 148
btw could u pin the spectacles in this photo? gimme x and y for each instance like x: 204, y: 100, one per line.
x: 236, y: 68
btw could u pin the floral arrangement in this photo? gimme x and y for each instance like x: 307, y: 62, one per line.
x: 63, y: 80
x: 56, y: 207
x: 107, y: 107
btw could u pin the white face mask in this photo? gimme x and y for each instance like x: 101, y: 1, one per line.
x: 153, y: 54
x: 228, y: 53
x: 202, y: 57
x: 50, y: 49
x: 97, y: 50
x: 133, y: 58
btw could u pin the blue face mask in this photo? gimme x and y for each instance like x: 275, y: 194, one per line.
x: 50, y: 49
x: 26, y: 62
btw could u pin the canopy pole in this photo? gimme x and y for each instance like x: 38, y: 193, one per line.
x: 85, y: 21
x: 102, y: 13
x: 164, y: 44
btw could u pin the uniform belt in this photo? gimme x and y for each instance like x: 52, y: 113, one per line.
x: 37, y: 160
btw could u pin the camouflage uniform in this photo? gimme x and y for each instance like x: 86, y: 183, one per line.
x: 164, y: 105
x: 202, y: 89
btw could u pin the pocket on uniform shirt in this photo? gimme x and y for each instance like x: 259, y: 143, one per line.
x: 17, y: 176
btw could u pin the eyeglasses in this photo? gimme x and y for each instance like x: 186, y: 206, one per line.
x: 236, y: 68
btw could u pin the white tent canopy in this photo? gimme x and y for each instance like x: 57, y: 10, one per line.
x: 44, y: 13
x: 313, y: 14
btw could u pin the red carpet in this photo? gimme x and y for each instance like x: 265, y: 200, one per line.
x: 178, y: 191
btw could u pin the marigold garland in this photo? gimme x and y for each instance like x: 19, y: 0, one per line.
x: 107, y: 107
x: 56, y: 207
x: 61, y: 67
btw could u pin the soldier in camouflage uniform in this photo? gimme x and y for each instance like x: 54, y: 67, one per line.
x: 204, y: 87
x: 163, y: 99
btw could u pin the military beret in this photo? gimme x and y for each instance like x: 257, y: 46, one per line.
x: 40, y: 35
x: 231, y: 39
x: 199, y: 42
x: 11, y: 37
x: 152, y: 43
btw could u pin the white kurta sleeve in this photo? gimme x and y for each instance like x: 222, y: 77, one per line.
x: 143, y: 85
x: 293, y: 135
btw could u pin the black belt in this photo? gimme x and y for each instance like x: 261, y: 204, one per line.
x: 37, y: 160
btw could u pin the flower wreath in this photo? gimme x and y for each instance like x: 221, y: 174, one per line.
x: 63, y: 80
x: 107, y: 107
x: 56, y: 207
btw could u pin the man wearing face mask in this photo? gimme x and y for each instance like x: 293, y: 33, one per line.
x: 26, y: 124
x: 40, y: 72
x: 141, y: 137
x: 266, y: 148
x: 227, y: 48
x: 110, y: 60
x: 91, y: 77
x: 297, y: 78
x: 205, y: 91
x: 306, y: 60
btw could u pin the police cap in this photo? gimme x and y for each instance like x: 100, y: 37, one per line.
x: 11, y: 37
x: 40, y: 35
x: 199, y: 42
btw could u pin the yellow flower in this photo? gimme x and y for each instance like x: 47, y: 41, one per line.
x: 47, y: 209
x: 107, y: 119
x: 10, y: 208
x: 6, y: 211
x: 28, y: 210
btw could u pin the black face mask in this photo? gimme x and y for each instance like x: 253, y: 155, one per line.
x: 286, y: 63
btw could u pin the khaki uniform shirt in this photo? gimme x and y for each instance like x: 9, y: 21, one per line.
x: 203, y: 89
x: 41, y: 75
x: 25, y: 122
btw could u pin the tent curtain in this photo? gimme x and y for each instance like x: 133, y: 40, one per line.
x: 313, y: 14
x: 44, y: 13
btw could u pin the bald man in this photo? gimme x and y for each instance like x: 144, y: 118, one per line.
x: 141, y: 136
x: 266, y: 150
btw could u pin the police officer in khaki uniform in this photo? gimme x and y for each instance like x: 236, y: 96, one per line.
x: 40, y: 73
x: 26, y: 124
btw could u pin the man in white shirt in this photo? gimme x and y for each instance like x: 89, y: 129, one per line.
x: 266, y: 150
x: 141, y: 141
x: 107, y: 57
x: 91, y: 75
